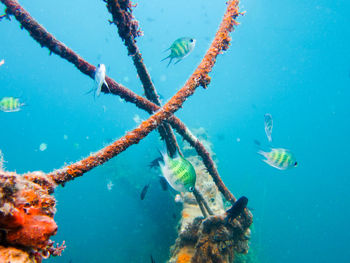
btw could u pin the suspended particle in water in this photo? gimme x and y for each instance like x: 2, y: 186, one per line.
x: 110, y: 185
x: 162, y: 78
x: 137, y: 119
x: 43, y: 147
x: 178, y: 199
x: 2, y: 62
x: 65, y: 137
x: 76, y: 145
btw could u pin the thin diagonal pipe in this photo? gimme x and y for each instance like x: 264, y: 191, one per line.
x: 44, y: 38
x: 121, y: 12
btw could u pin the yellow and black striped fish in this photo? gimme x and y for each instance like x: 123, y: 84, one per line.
x: 179, y: 173
x: 10, y: 104
x: 279, y: 158
x: 180, y: 49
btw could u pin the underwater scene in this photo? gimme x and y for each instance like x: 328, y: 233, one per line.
x: 174, y: 131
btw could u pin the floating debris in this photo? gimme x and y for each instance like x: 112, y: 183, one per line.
x: 43, y: 147
x: 2, y: 62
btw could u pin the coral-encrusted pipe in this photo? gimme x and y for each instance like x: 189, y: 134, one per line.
x: 204, y: 154
x: 198, y: 78
x: 44, y: 38
x: 128, y: 30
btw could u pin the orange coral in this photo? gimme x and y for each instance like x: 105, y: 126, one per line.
x: 34, y: 232
x: 185, y: 215
x: 184, y: 258
x: 26, y: 211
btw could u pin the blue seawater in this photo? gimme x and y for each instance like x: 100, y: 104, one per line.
x: 287, y: 58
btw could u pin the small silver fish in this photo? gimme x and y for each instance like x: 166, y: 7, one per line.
x: 100, y: 75
x: 268, y: 126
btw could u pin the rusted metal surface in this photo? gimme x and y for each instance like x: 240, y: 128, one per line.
x: 26, y: 199
x: 128, y: 31
x: 44, y: 38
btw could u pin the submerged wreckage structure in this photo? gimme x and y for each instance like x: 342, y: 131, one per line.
x: 207, y: 232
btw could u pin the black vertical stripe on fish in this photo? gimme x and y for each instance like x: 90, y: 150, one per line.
x: 152, y: 260
x: 237, y: 208
x: 163, y: 183
x: 144, y: 191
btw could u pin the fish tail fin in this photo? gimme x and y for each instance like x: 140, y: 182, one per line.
x: 178, y: 61
x: 269, y: 138
x: 166, y: 58
x: 171, y: 59
x: 86, y: 93
x: 261, y: 152
x: 164, y: 154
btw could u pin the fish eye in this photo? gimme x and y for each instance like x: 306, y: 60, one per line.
x: 191, y: 189
x: 98, y: 65
x: 296, y: 164
x: 191, y: 40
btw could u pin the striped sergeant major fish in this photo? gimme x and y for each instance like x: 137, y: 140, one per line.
x: 179, y: 173
x: 10, y: 104
x: 279, y: 158
x: 180, y: 49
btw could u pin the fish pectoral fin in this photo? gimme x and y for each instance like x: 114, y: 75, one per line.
x: 171, y: 59
x: 178, y: 61
x: 105, y: 82
x: 273, y: 165
x: 86, y: 93
x: 165, y: 58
